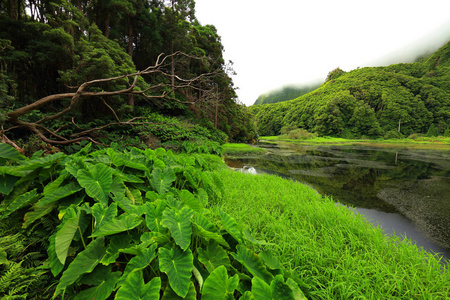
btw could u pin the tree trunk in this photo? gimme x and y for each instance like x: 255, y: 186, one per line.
x: 130, y: 36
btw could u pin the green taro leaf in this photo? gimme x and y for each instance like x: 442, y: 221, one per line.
x: 83, y: 263
x: 97, y: 182
x: 102, y: 290
x: 161, y: 181
x: 116, y: 243
x: 143, y: 258
x: 7, y: 183
x: 298, y: 294
x: 55, y: 265
x: 190, y: 200
x: 179, y: 224
x: 135, y: 288
x: 230, y: 225
x: 169, y: 294
x: 9, y: 152
x: 270, y: 261
x: 218, y: 286
x: 103, y: 214
x: 249, y: 237
x: 127, y: 160
x: 123, y: 223
x: 60, y: 193
x: 213, y: 257
x: 205, y: 229
x: 247, y: 296
x: 21, y: 201
x: 177, y: 264
x: 281, y: 290
x: 260, y: 289
x: 65, y: 235
x: 36, y: 213
x: 40, y: 162
x: 252, y: 263
x: 55, y: 184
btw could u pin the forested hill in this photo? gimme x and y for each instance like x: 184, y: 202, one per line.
x: 370, y: 102
x: 284, y: 94
x: 67, y: 67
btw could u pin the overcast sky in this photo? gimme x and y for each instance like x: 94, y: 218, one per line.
x: 277, y: 43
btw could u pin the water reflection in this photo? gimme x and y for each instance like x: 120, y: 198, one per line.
x: 396, y: 187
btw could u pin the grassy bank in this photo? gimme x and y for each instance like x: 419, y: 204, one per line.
x: 336, y: 253
x: 232, y: 149
x: 419, y: 142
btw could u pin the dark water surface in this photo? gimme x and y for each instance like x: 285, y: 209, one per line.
x: 405, y: 191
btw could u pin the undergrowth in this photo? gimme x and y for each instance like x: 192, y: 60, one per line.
x: 126, y: 224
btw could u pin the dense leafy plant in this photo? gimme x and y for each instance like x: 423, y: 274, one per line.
x: 135, y: 224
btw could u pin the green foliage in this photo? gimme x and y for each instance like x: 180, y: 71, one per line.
x: 132, y: 223
x: 284, y: 94
x: 368, y: 102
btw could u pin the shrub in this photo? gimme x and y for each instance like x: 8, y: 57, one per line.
x: 301, y: 134
x: 393, y: 134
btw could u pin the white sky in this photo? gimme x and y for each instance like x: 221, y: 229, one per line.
x: 276, y: 43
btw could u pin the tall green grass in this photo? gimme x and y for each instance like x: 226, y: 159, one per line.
x: 335, y: 252
x: 241, y: 149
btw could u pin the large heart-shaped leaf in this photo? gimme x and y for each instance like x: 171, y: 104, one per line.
x: 177, y: 264
x: 21, y: 201
x: 55, y: 184
x: 277, y: 290
x: 97, y: 182
x: 103, y: 214
x: 116, y: 243
x: 260, y: 289
x: 55, y: 265
x: 9, y: 152
x: 205, y: 229
x: 60, y: 193
x: 36, y: 213
x: 179, y: 224
x: 135, y: 288
x: 190, y: 200
x: 83, y: 263
x: 213, y: 257
x: 161, y: 181
x: 104, y: 282
x: 143, y: 258
x: 218, y: 286
x: 230, y: 225
x: 252, y: 263
x: 123, y: 223
x: 169, y: 294
x: 65, y: 234
x: 7, y: 183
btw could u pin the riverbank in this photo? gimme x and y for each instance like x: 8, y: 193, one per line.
x: 335, y: 252
x: 418, y: 143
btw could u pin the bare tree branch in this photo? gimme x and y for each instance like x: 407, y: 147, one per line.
x: 84, y: 91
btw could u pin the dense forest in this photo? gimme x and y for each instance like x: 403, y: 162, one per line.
x: 393, y: 101
x: 132, y: 71
x: 285, y: 93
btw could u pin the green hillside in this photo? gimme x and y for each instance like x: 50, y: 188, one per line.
x: 370, y: 102
x: 284, y: 94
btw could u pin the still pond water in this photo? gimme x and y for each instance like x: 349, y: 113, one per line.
x: 405, y: 191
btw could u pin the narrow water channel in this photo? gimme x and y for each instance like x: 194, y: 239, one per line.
x: 405, y: 191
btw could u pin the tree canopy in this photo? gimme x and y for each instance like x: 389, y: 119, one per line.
x: 54, y: 47
x: 370, y: 102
